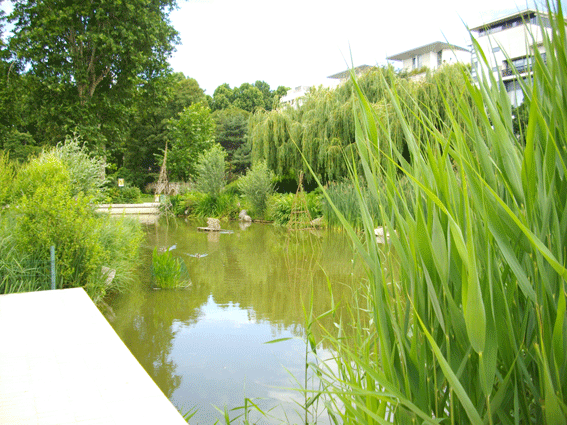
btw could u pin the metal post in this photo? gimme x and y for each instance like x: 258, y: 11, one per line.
x: 53, y: 276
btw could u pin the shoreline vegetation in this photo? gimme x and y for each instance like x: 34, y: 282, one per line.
x: 50, y: 201
x: 473, y: 330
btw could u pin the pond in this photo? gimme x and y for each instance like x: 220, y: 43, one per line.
x: 205, y: 346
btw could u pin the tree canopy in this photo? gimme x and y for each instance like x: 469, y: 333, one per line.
x: 322, y: 131
x: 80, y: 66
x: 249, y: 97
x: 90, y: 44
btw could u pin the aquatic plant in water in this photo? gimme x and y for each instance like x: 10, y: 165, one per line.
x: 169, y: 272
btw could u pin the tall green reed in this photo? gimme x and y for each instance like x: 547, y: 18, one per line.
x: 22, y: 272
x: 467, y: 303
x: 169, y: 272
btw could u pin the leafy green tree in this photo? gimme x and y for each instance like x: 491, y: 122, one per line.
x: 271, y: 97
x: 184, y: 91
x: 232, y: 134
x: 280, y: 92
x: 322, y: 130
x: 86, y: 60
x: 190, y: 134
x: 222, y: 97
x: 248, y: 97
x: 90, y: 44
x: 155, y: 103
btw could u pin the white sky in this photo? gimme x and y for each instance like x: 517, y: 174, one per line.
x: 301, y: 42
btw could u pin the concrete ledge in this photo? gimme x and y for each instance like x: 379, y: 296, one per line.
x: 119, y: 209
x: 62, y: 363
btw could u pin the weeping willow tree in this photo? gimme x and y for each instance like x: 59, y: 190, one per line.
x: 322, y: 129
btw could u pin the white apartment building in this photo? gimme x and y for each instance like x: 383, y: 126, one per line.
x: 294, y: 97
x: 430, y: 56
x: 508, y: 44
x: 344, y: 76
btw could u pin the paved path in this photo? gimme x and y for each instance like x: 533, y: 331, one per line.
x: 62, y: 363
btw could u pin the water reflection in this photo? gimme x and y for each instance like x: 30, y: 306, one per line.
x: 206, y: 344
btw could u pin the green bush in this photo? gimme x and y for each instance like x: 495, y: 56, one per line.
x: 225, y: 205
x: 47, y: 210
x: 257, y: 186
x: 48, y: 215
x: 191, y: 201
x: 85, y: 171
x: 20, y: 271
x: 211, y: 171
x: 233, y: 188
x: 124, y: 195
x: 120, y: 239
x: 6, y: 178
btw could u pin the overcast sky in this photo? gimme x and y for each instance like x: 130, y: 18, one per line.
x: 301, y: 42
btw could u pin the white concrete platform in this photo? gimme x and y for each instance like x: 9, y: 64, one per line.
x: 128, y: 209
x: 62, y: 363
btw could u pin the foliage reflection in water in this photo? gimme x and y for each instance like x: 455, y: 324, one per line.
x: 205, y: 345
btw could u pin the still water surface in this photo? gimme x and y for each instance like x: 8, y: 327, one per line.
x: 206, y: 345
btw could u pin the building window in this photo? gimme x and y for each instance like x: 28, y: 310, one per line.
x: 439, y: 57
x: 515, y: 92
x: 495, y: 49
x: 416, y: 62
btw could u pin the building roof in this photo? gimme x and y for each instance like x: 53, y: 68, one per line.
x: 346, y: 74
x: 503, y: 19
x: 432, y: 47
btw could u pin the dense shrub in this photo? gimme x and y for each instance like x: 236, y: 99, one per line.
x: 49, y: 208
x: 124, y: 195
x: 85, y: 171
x: 233, y: 188
x: 211, y: 171
x: 224, y: 205
x: 48, y: 215
x: 6, y: 178
x: 190, y: 203
x: 257, y: 186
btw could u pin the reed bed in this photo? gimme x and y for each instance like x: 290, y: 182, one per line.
x: 471, y: 328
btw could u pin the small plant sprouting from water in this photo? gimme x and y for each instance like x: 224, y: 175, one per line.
x: 169, y: 272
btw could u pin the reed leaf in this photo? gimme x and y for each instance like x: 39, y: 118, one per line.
x: 466, y: 304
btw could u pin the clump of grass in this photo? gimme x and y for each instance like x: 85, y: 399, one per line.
x: 224, y: 205
x: 22, y: 272
x: 169, y: 272
x: 466, y: 307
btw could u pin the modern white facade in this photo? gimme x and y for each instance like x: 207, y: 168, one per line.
x: 509, y: 44
x: 431, y: 56
x: 344, y: 76
x: 294, y: 97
